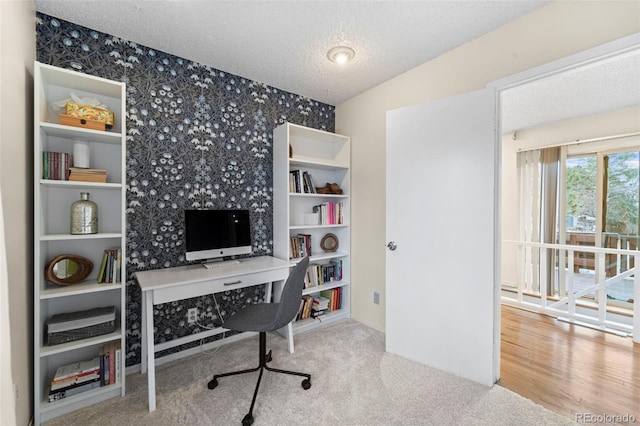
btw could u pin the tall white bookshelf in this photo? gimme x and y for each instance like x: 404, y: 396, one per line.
x: 326, y: 157
x: 52, y: 236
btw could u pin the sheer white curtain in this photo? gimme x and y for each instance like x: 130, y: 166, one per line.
x: 538, y: 179
x: 529, y: 172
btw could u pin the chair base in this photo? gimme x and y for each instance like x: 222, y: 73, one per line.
x: 263, y: 359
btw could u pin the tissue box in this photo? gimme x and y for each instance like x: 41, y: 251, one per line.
x: 90, y: 113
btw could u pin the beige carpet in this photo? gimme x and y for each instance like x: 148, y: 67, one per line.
x: 354, y: 383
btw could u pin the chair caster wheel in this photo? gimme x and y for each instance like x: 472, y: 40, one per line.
x: 213, y: 383
x: 306, y: 384
x: 247, y: 420
x: 268, y: 357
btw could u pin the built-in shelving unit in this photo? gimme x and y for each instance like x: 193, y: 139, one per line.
x: 325, y: 157
x: 52, y: 237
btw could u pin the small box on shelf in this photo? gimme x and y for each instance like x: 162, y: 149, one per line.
x: 89, y: 112
x: 68, y: 120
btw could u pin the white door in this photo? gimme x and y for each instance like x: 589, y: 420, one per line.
x: 442, y: 306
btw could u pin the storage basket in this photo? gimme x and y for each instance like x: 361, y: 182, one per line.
x: 70, y: 326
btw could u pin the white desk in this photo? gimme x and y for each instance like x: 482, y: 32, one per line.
x: 183, y: 282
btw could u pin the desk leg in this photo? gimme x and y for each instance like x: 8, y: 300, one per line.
x: 268, y: 289
x: 143, y: 332
x: 151, y: 373
x: 290, y: 336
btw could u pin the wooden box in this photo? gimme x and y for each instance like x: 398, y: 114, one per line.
x: 89, y: 112
x: 68, y: 120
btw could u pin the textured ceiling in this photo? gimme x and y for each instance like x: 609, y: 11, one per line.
x: 284, y: 43
x: 606, y: 85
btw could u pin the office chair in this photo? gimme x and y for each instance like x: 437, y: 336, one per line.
x: 263, y: 317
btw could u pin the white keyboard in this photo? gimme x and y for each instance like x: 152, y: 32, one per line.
x: 216, y: 265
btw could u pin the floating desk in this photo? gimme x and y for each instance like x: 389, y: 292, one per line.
x: 184, y: 282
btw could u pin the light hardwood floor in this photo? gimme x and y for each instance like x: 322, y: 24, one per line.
x: 567, y: 368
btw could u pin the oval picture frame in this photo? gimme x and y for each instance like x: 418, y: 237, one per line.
x: 329, y: 243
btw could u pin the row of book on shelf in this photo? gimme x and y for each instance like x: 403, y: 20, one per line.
x: 300, y: 246
x: 314, y: 306
x: 330, y: 213
x: 301, y: 182
x: 319, y: 274
x: 102, y: 370
x: 57, y: 166
x: 110, y: 268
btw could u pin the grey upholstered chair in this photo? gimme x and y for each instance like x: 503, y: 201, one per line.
x: 263, y: 317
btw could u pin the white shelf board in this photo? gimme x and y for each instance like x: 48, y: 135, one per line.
x: 70, y: 132
x: 108, y: 391
x: 76, y: 184
x: 82, y: 343
x: 306, y: 195
x: 323, y: 287
x: 81, y: 288
x: 63, y: 237
x: 307, y: 324
x: 341, y: 225
x: 314, y: 163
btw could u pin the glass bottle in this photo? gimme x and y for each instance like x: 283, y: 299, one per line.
x: 84, y: 216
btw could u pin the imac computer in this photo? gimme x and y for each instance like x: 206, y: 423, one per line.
x: 212, y: 235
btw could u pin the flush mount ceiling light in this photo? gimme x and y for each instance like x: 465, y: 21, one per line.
x: 341, y: 54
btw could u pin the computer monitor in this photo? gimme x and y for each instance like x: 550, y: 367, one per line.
x: 215, y: 234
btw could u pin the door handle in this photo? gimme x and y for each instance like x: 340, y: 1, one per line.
x: 392, y: 245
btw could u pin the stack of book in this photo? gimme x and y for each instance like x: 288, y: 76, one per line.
x: 87, y: 175
x: 110, y: 269
x: 75, y: 378
x: 55, y: 165
x: 319, y: 306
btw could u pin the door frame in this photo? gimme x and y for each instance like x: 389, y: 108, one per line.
x: 568, y: 63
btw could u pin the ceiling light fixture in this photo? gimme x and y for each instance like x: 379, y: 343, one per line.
x: 341, y: 54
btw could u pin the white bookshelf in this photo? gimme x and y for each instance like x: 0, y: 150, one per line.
x: 326, y: 157
x: 52, y: 237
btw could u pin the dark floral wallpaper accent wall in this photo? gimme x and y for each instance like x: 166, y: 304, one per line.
x: 197, y: 137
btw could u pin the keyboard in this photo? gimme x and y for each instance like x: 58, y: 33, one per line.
x: 216, y: 265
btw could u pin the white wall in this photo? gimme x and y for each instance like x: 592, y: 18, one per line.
x: 549, y: 33
x: 17, y: 53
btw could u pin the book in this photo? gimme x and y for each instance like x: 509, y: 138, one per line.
x: 320, y: 303
x: 55, y: 395
x: 103, y: 266
x: 118, y: 363
x: 112, y: 363
x: 77, y: 368
x: 76, y: 380
x: 316, y: 314
x: 87, y: 175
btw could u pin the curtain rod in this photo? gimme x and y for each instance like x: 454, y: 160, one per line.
x: 577, y: 141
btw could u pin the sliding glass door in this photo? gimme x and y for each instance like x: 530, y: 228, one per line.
x: 601, y: 210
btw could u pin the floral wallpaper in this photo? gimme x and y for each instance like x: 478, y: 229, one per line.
x: 197, y: 137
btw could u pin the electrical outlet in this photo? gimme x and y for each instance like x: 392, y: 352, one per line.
x: 192, y: 315
x: 376, y: 297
